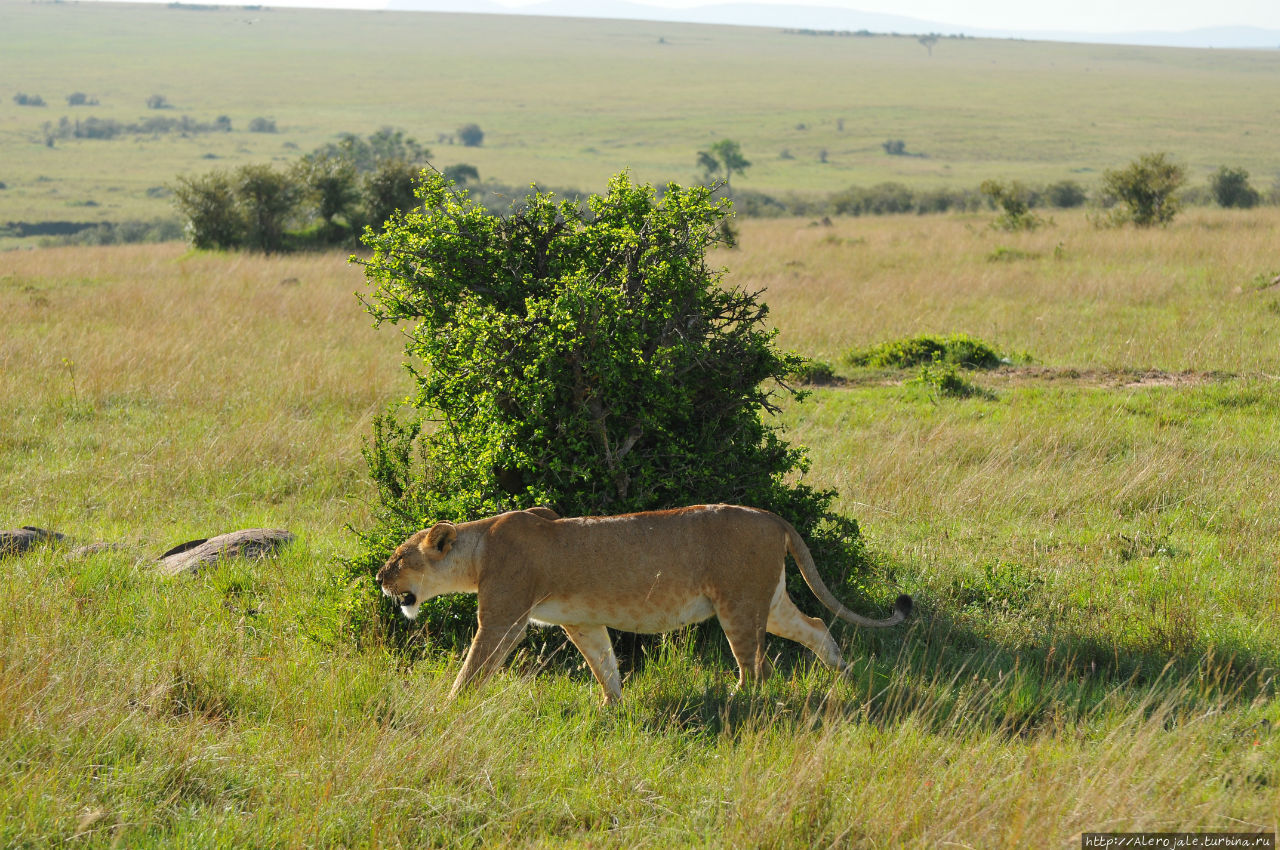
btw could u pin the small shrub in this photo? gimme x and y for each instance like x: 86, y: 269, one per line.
x: 1230, y: 188
x: 158, y: 101
x: 23, y: 99
x: 79, y: 98
x: 262, y: 125
x: 266, y: 199
x: 461, y: 174
x: 208, y: 205
x: 956, y: 349
x: 1009, y: 255
x: 943, y: 380
x: 894, y: 147
x: 1146, y: 190
x: 391, y: 188
x: 1014, y: 199
x: 1065, y: 194
x: 471, y: 135
x: 813, y: 372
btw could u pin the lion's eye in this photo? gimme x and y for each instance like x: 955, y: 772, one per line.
x: 407, y: 598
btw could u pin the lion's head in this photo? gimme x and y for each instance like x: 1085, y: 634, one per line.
x: 417, y: 570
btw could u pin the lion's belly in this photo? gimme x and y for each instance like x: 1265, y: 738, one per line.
x: 646, y: 616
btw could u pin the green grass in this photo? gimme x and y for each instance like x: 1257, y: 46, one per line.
x: 1092, y: 546
x: 570, y: 102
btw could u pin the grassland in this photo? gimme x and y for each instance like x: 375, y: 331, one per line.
x: 1094, y: 552
x: 570, y: 102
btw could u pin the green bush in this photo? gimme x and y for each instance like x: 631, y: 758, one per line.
x: 267, y: 199
x: 390, y: 188
x: 587, y: 360
x: 1015, y: 202
x: 1146, y: 189
x: 1065, y: 194
x: 943, y: 380
x: 461, y: 173
x: 262, y: 125
x: 813, y: 372
x: 1230, y: 188
x: 208, y: 206
x: 956, y: 349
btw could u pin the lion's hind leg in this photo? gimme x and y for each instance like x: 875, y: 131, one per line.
x: 785, y: 620
x: 594, y: 644
x: 745, y: 630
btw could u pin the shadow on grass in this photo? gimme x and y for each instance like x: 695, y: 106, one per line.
x: 941, y: 675
x: 935, y: 669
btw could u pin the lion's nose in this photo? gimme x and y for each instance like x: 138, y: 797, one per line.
x: 408, y: 599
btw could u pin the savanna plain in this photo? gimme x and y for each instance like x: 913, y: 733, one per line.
x: 1092, y: 536
x: 1092, y: 543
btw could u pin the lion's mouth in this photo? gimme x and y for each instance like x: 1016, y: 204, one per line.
x: 406, y: 599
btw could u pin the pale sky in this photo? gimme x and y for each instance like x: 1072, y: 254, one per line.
x: 1084, y: 15
x: 1080, y: 16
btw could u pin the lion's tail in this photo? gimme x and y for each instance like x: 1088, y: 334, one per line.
x: 808, y: 569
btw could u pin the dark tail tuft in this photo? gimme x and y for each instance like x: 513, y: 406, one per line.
x: 903, y: 605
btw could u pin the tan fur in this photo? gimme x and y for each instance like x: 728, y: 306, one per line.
x: 646, y: 572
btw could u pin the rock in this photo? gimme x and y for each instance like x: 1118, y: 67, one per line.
x: 19, y: 540
x: 254, y: 543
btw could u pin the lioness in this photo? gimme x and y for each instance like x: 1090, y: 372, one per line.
x: 646, y: 572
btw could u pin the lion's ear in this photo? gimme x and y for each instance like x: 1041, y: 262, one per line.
x: 440, y: 539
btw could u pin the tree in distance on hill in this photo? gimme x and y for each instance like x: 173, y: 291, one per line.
x: 725, y: 155
x: 1147, y: 190
x: 461, y: 173
x: 1230, y: 188
x: 471, y: 135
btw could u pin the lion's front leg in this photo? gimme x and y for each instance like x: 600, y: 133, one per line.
x: 489, y: 649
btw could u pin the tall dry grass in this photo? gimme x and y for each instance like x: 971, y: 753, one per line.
x: 1183, y: 297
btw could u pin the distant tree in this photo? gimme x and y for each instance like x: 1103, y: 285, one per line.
x: 725, y: 155
x: 330, y: 183
x: 709, y: 164
x: 461, y: 173
x: 929, y: 41
x: 1147, y: 189
x: 208, y: 205
x: 158, y: 101
x: 385, y: 145
x: 471, y: 135
x: 262, y: 125
x: 266, y: 199
x: 222, y: 123
x: 894, y: 147
x: 77, y: 98
x: 1230, y: 188
x: 1065, y: 194
x: 24, y: 99
x: 390, y: 188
